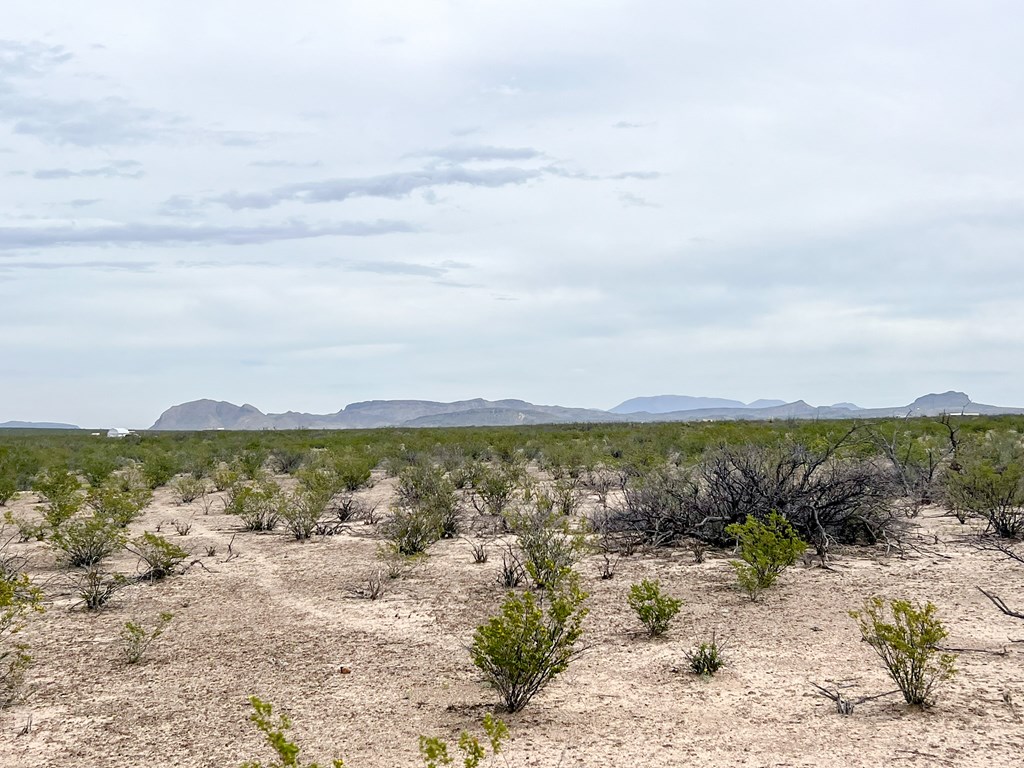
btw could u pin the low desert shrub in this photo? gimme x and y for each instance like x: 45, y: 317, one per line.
x: 435, y: 752
x: 551, y: 547
x: 87, y: 541
x: 411, y: 531
x: 160, y: 556
x: 302, y: 510
x: 123, y: 506
x: 906, y: 638
x: 136, y: 638
x: 989, y: 483
x: 250, y: 462
x: 159, y: 468
x: 224, y: 476
x: 766, y: 550
x: 286, y: 752
x: 61, y: 491
x: 654, y: 609
x: 18, y: 598
x: 97, y: 588
x: 706, y: 659
x: 188, y: 488
x: 530, y: 642
x: 257, y: 505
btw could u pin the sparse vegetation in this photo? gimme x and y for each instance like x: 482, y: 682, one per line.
x: 286, y: 752
x: 707, y: 658
x: 136, y: 638
x: 530, y: 642
x: 160, y: 557
x: 906, y: 637
x: 654, y: 609
x: 766, y: 550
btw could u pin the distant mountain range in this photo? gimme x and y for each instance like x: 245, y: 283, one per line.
x: 211, y: 414
x: 36, y: 425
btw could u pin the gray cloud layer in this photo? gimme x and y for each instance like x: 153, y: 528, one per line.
x: 594, y: 201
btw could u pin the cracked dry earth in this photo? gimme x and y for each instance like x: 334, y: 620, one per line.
x: 282, y: 619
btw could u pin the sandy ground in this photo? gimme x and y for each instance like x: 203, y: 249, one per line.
x: 280, y: 621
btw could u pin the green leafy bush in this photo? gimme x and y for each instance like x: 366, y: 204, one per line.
x: 258, y: 505
x: 61, y: 492
x: 653, y: 608
x: 706, y: 659
x: 159, y: 467
x: 160, y: 556
x: 906, y: 638
x: 551, y: 547
x: 989, y: 484
x: 188, y: 488
x: 86, y: 541
x: 766, y: 550
x: 18, y: 598
x: 302, y: 510
x: 285, y: 751
x: 434, y: 751
x: 116, y: 503
x: 136, y: 639
x: 529, y: 643
x: 97, y: 588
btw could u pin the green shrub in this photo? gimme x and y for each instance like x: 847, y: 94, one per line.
x: 766, y: 550
x: 706, y: 659
x: 115, y: 503
x: 224, y: 477
x: 160, y: 556
x: 158, y: 468
x: 528, y: 644
x: 188, y: 488
x: 97, y: 588
x: 551, y: 547
x: 250, y: 462
x: 412, y: 531
x: 285, y: 751
x: 906, y: 638
x: 8, y: 486
x: 653, y: 608
x: 434, y: 751
x: 302, y: 510
x: 136, y: 639
x: 258, y: 505
x: 18, y: 598
x: 61, y: 492
x: 990, y: 485
x: 86, y: 541
x: 425, y: 489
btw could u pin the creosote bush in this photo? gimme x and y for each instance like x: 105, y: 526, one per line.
x: 654, y: 609
x: 286, y: 752
x: 18, y: 598
x: 160, y: 556
x: 87, y: 541
x: 766, y: 550
x: 550, y: 545
x: 706, y: 659
x: 136, y: 639
x: 989, y: 484
x: 435, y: 753
x: 906, y: 638
x: 258, y: 505
x: 531, y: 641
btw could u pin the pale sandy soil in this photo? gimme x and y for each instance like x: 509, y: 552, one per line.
x: 279, y: 621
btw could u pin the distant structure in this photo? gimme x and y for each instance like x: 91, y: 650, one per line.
x: 118, y: 432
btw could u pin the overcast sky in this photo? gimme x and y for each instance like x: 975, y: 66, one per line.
x: 300, y: 205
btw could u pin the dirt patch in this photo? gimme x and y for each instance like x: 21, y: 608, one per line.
x: 281, y: 620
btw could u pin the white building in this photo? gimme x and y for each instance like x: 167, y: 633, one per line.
x: 118, y: 432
